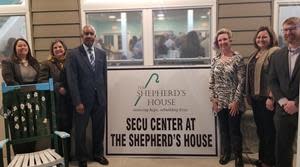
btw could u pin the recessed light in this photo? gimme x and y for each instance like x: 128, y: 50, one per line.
x: 111, y: 17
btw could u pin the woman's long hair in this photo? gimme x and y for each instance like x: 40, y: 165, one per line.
x: 31, y: 60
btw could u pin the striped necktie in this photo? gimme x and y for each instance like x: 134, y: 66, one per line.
x: 92, y: 57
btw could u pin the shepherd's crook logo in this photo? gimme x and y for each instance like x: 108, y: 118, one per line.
x: 156, y: 80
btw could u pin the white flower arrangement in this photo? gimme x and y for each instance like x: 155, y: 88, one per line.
x: 37, y: 107
x: 45, y: 120
x: 15, y: 108
x: 22, y: 106
x: 8, y: 112
x: 35, y: 94
x: 29, y: 106
x: 28, y: 96
x: 17, y: 126
x: 43, y: 98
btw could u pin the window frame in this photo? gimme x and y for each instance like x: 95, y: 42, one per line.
x: 19, y: 10
x: 147, y: 7
x: 277, y: 4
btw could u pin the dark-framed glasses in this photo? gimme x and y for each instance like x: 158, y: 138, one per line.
x: 88, y: 33
x: 291, y: 28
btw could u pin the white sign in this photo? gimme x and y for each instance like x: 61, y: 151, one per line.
x: 160, y: 112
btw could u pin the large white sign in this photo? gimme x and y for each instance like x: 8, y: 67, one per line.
x: 160, y: 112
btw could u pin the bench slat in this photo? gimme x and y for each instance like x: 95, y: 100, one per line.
x: 14, y: 161
x: 54, y: 154
x: 20, y: 160
x: 26, y: 159
x: 49, y: 156
x: 37, y: 159
x: 31, y: 159
x: 43, y: 157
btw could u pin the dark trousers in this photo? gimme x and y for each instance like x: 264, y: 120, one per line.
x: 65, y: 111
x: 97, y: 114
x: 286, y: 128
x: 265, y: 130
x: 231, y: 136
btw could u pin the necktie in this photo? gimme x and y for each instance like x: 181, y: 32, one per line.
x: 92, y: 57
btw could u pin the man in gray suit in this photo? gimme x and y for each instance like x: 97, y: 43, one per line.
x: 284, y: 84
x: 86, y: 75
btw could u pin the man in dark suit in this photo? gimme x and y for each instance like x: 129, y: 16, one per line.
x: 284, y: 84
x: 86, y: 75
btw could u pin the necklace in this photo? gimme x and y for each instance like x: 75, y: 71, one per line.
x: 24, y: 62
x: 259, y: 53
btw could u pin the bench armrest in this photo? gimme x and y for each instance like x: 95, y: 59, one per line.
x: 62, y: 134
x: 2, y: 142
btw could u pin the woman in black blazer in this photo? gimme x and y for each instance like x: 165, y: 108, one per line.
x: 22, y: 68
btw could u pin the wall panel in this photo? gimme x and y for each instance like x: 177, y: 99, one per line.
x: 56, y: 30
x: 245, y: 10
x: 44, y: 43
x: 55, y: 5
x: 242, y: 1
x: 55, y: 19
x: 244, y: 24
x: 244, y: 17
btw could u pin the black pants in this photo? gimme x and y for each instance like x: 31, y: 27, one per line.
x: 265, y: 130
x: 231, y: 136
x: 97, y: 113
x: 65, y: 111
x: 286, y: 128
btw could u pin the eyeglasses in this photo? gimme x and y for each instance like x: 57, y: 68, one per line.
x: 292, y: 28
x: 88, y: 33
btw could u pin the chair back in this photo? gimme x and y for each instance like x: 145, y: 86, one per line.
x: 29, y: 113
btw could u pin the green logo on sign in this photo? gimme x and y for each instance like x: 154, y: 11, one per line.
x: 150, y: 78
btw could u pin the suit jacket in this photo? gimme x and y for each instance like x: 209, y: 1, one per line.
x: 51, y: 69
x: 11, y: 72
x: 84, y: 83
x: 280, y: 82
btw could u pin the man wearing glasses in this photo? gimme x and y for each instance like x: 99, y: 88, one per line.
x: 284, y: 84
x: 86, y: 75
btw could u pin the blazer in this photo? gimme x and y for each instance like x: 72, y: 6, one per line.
x: 261, y: 75
x: 51, y: 69
x: 84, y: 83
x: 280, y: 82
x: 11, y: 72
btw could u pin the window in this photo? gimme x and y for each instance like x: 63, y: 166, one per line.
x: 11, y: 27
x: 182, y: 36
x: 285, y: 8
x: 10, y: 2
x: 120, y: 35
x: 13, y: 15
x: 153, y: 33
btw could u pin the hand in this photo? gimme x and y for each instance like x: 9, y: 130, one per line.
x: 290, y: 107
x: 80, y: 108
x: 62, y: 91
x: 233, y: 108
x: 215, y: 106
x: 270, y: 104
